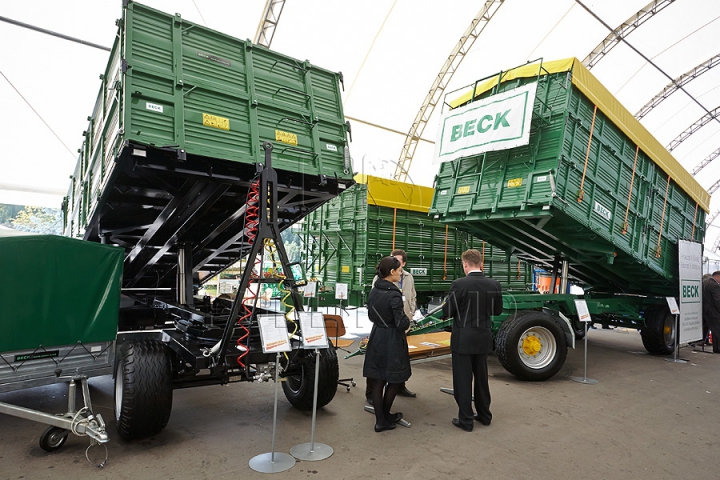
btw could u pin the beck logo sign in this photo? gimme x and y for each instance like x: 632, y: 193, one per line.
x: 498, y: 122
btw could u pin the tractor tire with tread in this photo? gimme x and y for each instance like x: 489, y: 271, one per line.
x: 299, y: 389
x: 531, y: 345
x: 658, y: 334
x: 143, y: 389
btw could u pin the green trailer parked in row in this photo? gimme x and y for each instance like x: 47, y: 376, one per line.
x: 592, y: 197
x: 175, y: 168
x: 346, y: 238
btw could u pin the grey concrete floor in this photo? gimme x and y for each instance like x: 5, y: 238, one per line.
x: 646, y: 418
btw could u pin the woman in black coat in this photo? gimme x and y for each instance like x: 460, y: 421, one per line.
x: 387, y: 362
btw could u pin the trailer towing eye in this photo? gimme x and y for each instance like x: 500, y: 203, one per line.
x: 531, y: 345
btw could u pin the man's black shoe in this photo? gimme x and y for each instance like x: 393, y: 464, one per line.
x: 467, y: 428
x: 369, y: 400
x: 483, y: 421
x: 407, y: 393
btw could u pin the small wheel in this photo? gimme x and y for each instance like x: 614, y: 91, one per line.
x: 53, y: 438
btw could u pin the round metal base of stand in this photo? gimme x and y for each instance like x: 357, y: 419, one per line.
x: 675, y: 360
x: 586, y: 381
x: 265, y: 463
x: 319, y: 451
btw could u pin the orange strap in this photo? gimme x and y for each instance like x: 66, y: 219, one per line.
x: 662, y: 220
x: 581, y: 193
x: 394, y: 220
x: 632, y: 178
x: 692, y: 235
x: 519, y: 271
x: 445, y: 260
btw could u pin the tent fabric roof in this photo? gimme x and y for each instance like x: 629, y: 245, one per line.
x: 390, y: 52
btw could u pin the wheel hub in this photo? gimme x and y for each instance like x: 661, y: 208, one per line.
x: 531, y: 345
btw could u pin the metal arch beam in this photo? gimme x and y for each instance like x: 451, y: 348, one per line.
x: 716, y: 244
x: 705, y: 162
x: 456, y: 57
x: 713, y: 188
x: 704, y: 120
x: 712, y: 218
x: 271, y: 17
x: 677, y: 84
x: 625, y: 29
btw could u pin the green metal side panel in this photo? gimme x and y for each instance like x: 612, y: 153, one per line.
x: 172, y: 83
x: 57, y: 291
x: 529, y: 198
x: 347, y: 237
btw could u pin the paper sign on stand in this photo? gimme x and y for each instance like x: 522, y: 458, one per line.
x: 584, y: 316
x: 312, y: 325
x: 672, y: 304
x: 309, y: 290
x: 274, y: 333
x: 341, y: 291
x: 582, y: 310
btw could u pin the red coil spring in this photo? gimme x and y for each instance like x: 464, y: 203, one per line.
x: 252, y: 219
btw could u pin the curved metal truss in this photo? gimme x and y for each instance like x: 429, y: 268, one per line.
x: 705, y: 162
x: 677, y: 84
x: 441, y: 81
x: 704, y: 120
x: 271, y: 17
x: 711, y: 219
x: 625, y: 29
x: 716, y: 245
x: 713, y: 188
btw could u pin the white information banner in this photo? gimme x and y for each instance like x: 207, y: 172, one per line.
x: 312, y: 325
x: 493, y: 123
x: 274, y: 333
x: 690, y: 273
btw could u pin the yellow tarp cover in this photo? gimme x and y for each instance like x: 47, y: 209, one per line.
x: 384, y: 192
x: 613, y: 110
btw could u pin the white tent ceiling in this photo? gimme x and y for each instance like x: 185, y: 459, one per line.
x: 390, y: 52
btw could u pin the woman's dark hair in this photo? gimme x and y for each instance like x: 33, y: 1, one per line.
x: 386, y: 264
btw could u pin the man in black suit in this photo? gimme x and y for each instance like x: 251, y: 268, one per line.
x: 711, y: 307
x: 471, y: 303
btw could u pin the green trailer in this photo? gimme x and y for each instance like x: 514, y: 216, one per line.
x: 198, y: 145
x: 346, y: 238
x: 592, y: 197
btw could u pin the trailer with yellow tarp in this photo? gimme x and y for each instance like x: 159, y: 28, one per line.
x: 545, y: 163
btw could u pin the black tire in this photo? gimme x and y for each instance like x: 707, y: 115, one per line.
x: 658, y: 334
x: 143, y: 389
x: 53, y: 438
x: 299, y: 389
x: 531, y: 345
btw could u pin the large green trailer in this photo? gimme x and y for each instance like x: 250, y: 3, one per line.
x: 346, y: 238
x: 592, y: 197
x: 200, y: 144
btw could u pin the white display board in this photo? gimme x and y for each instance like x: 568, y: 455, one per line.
x: 274, y: 333
x: 582, y: 310
x: 310, y: 289
x: 690, y: 294
x: 312, y: 325
x: 341, y: 291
